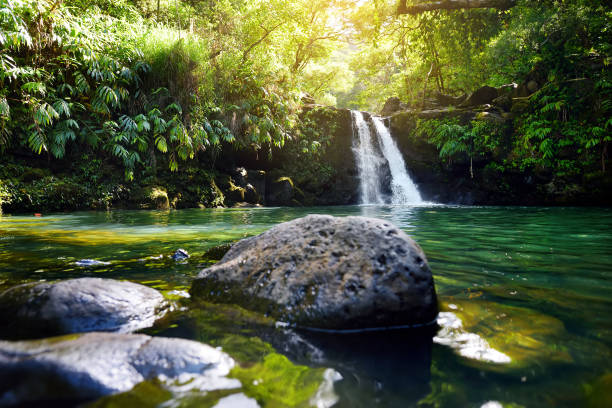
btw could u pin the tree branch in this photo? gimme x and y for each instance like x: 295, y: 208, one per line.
x: 453, y: 5
x: 267, y: 32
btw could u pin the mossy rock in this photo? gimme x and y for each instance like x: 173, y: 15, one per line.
x: 152, y: 197
x: 598, y: 393
x: 520, y: 105
x: 525, y: 335
x: 216, y: 253
x: 212, y: 195
x: 279, y: 382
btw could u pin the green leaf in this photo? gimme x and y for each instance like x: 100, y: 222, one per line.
x: 62, y: 107
x: 160, y: 143
x: 35, y: 87
x: 5, y: 109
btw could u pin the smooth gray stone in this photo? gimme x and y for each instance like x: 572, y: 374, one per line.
x: 87, y: 366
x: 78, y: 305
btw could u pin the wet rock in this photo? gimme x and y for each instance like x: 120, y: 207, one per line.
x: 96, y: 364
x: 449, y: 100
x: 235, y: 193
x: 217, y: 252
x: 78, y: 305
x: 180, y: 254
x: 392, y: 105
x: 532, y: 86
x: 154, y: 198
x: 250, y: 194
x: 239, y: 175
x: 481, y: 96
x: 257, y: 178
x: 90, y: 262
x: 326, y: 272
x: 280, y: 192
x: 504, y: 102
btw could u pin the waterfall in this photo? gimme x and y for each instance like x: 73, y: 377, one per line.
x: 370, y: 164
x: 403, y: 189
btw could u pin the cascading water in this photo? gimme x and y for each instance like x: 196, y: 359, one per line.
x: 403, y: 189
x: 370, y: 163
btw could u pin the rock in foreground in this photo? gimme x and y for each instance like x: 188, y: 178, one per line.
x: 78, y: 305
x: 95, y: 364
x: 326, y: 272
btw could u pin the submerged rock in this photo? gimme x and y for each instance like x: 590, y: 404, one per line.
x: 78, y: 305
x: 90, y: 262
x: 180, y: 254
x: 326, y: 272
x: 96, y: 364
x: 217, y: 252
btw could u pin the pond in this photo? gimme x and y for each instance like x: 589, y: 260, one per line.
x: 524, y: 293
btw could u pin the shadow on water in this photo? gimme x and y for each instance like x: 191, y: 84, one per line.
x: 391, y: 368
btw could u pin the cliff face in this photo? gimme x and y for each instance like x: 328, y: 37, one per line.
x: 444, y: 182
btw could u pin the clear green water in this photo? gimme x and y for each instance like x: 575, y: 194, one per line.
x: 534, y: 283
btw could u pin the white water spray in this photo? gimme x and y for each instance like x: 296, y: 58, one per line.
x: 403, y: 189
x: 369, y: 163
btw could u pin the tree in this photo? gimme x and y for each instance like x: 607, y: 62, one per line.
x: 418, y: 8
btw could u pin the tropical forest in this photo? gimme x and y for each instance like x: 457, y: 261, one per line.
x: 306, y: 203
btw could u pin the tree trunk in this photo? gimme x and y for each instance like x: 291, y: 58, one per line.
x: 453, y: 5
x: 471, y: 168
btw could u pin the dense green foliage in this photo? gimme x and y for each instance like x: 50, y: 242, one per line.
x: 147, y: 88
x: 561, y: 129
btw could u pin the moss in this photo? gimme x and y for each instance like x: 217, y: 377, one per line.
x: 217, y: 252
x: 598, y: 394
x: 288, y: 179
x: 236, y: 193
x: 277, y: 382
x: 151, y: 197
x: 5, y: 195
x: 212, y: 196
x: 145, y: 394
x: 525, y: 335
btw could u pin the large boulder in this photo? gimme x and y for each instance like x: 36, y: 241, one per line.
x: 481, y: 96
x: 280, y: 192
x: 392, y: 105
x: 78, y: 305
x: 95, y: 364
x: 328, y: 273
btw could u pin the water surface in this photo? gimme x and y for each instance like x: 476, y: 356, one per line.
x: 525, y: 294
